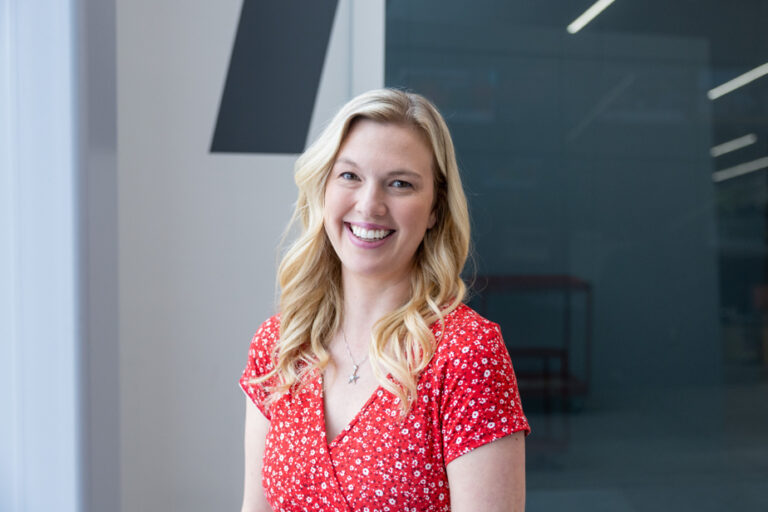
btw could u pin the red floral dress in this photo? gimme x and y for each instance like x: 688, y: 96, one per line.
x: 466, y: 397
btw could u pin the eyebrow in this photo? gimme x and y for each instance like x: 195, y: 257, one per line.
x: 396, y: 172
x: 404, y: 172
x: 343, y: 160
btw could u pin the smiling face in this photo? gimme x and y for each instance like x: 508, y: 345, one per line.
x: 379, y: 199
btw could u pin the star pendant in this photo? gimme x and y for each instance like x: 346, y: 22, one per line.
x: 353, y: 378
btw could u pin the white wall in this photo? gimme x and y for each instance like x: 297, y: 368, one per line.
x: 197, y: 238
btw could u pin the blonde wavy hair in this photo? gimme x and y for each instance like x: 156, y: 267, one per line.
x: 309, y: 275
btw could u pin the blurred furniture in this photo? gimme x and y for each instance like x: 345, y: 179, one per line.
x: 553, y: 376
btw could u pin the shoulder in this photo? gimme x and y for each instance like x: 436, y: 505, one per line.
x: 465, y: 339
x: 464, y: 327
x: 469, y: 344
x: 478, y: 397
x: 261, y: 361
x: 264, y: 341
x: 269, y: 327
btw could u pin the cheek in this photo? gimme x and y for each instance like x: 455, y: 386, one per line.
x: 334, y: 209
x: 421, y: 217
x: 329, y: 204
x: 427, y: 212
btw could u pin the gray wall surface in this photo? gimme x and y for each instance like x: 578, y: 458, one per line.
x: 197, y: 242
x: 98, y: 258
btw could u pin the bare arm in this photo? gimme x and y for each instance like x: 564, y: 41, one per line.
x: 490, y: 478
x: 256, y: 427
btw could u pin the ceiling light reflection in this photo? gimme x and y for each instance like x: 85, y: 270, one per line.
x: 741, y: 169
x: 588, y: 15
x: 733, y: 145
x: 737, y: 82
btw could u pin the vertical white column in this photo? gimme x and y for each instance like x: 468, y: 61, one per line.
x: 40, y: 349
x: 9, y: 485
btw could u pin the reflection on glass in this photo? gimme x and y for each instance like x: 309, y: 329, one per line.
x: 588, y: 15
x: 620, y: 224
x: 733, y: 145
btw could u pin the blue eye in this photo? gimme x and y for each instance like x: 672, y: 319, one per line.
x: 347, y: 175
x: 401, y: 184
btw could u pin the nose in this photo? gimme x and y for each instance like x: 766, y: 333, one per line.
x: 371, y: 201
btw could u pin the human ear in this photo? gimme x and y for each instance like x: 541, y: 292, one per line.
x: 432, y: 219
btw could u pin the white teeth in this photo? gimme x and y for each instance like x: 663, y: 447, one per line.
x: 369, y: 234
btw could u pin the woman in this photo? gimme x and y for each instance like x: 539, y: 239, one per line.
x: 375, y: 388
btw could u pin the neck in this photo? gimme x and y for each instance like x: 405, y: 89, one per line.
x: 366, y: 301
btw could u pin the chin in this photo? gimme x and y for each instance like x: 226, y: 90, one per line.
x: 373, y: 272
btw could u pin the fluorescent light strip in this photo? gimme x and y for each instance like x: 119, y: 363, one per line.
x: 738, y: 170
x: 733, y: 145
x: 737, y: 82
x: 588, y: 15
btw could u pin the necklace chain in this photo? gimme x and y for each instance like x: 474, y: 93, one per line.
x: 355, y: 366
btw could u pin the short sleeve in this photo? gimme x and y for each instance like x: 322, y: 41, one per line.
x: 480, y: 401
x: 260, y: 363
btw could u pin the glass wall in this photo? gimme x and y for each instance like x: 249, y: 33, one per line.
x: 619, y: 195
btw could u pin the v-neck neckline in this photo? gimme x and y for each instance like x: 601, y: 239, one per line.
x: 435, y: 327
x: 336, y: 440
